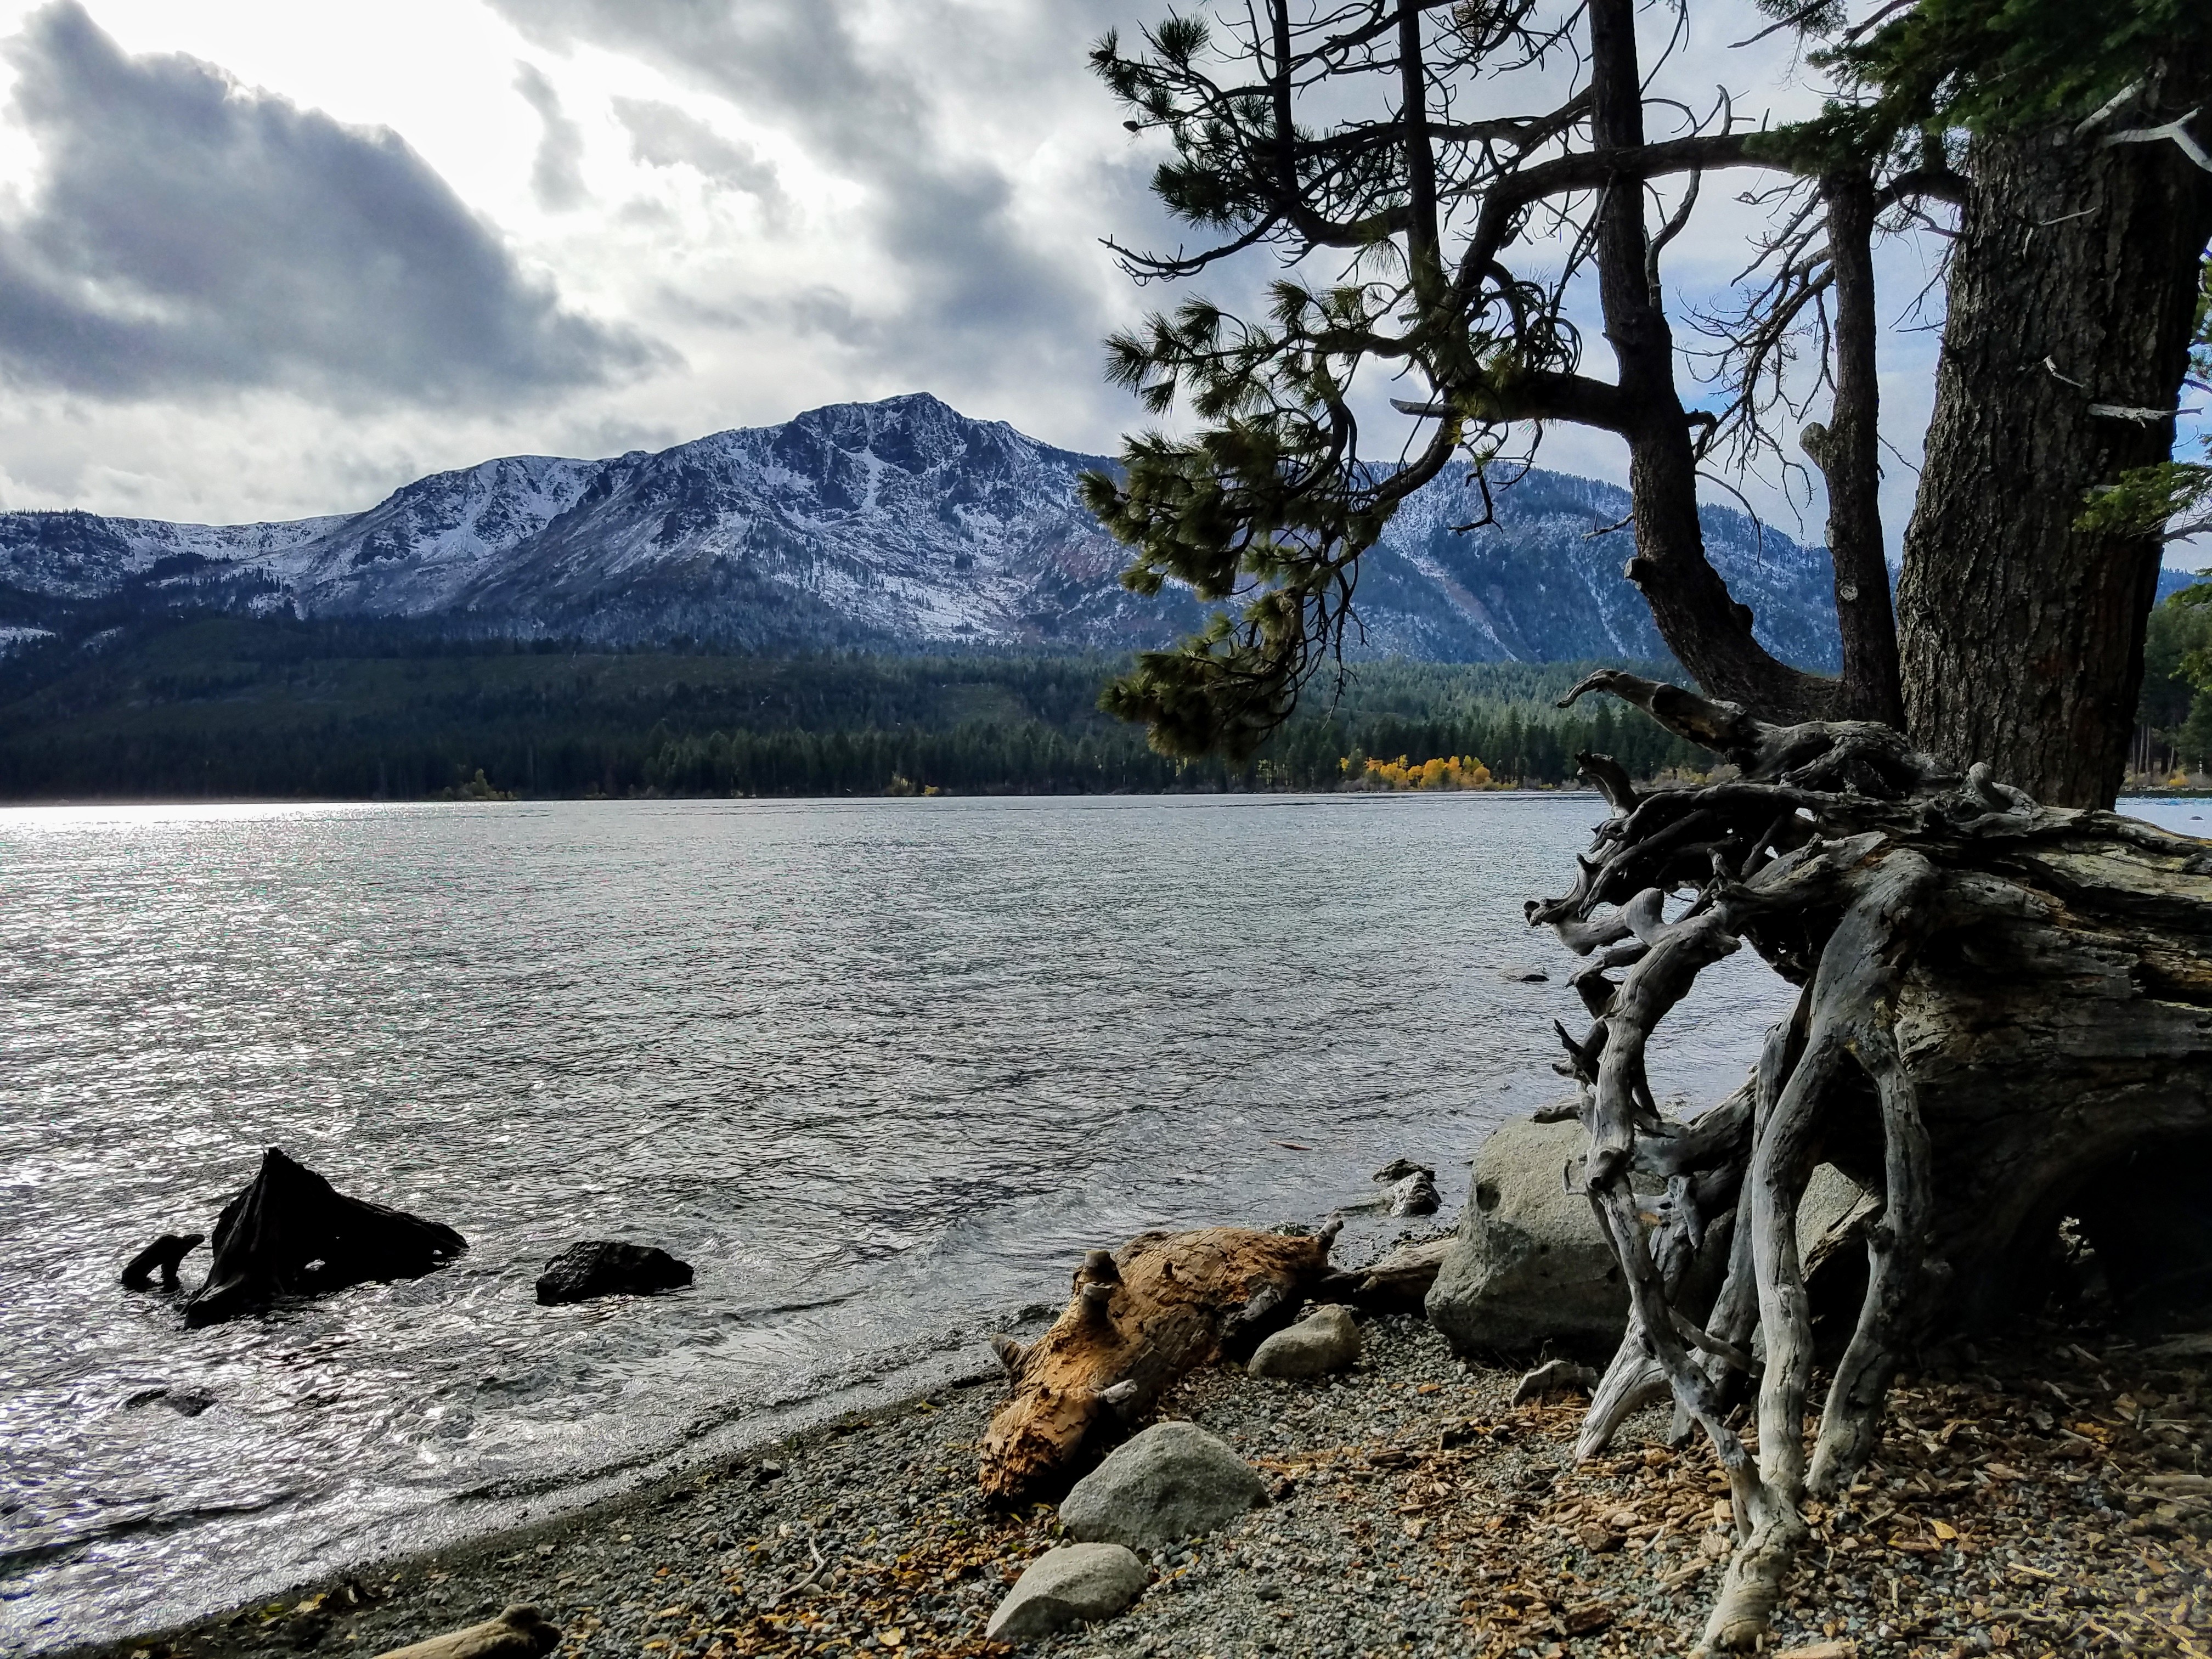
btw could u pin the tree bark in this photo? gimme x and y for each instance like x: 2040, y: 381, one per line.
x: 1847, y: 450
x: 1703, y: 625
x: 2071, y: 293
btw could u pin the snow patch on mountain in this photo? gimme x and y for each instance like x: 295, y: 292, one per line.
x: 897, y: 525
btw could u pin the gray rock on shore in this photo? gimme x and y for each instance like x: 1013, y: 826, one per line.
x: 1528, y: 1263
x: 1076, y: 1583
x: 1832, y: 1212
x: 1171, y: 1482
x: 1326, y: 1339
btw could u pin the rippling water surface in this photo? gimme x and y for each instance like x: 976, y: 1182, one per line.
x: 878, y: 1070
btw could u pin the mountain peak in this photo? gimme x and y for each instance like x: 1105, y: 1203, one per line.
x: 897, y: 524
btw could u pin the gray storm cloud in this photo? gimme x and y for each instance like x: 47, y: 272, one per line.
x: 970, y: 278
x: 190, y: 234
x: 663, y: 136
x: 556, y: 179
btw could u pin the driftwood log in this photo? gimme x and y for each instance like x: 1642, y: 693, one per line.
x: 1396, y: 1283
x: 291, y: 1233
x: 517, y: 1634
x: 1140, y: 1318
x: 2004, y: 1008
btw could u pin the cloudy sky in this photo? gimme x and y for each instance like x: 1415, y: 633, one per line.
x: 263, y: 259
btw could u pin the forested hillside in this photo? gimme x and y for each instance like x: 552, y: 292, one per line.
x: 228, y: 707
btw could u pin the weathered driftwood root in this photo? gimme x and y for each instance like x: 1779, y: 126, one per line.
x: 1999, y: 1000
x: 1141, y: 1317
x: 291, y: 1233
x: 1554, y: 1376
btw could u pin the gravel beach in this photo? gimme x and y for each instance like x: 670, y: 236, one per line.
x: 2041, y: 1496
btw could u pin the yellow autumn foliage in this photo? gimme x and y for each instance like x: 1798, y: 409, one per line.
x: 1443, y: 772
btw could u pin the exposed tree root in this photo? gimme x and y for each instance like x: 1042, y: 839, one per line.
x: 1997, y: 996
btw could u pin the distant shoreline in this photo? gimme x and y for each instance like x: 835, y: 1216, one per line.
x: 1542, y: 791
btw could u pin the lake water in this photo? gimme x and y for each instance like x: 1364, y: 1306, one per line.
x: 880, y: 1070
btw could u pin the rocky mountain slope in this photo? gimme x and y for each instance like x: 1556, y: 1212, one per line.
x: 895, y: 525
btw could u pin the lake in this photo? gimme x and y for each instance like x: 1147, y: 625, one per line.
x: 879, y: 1069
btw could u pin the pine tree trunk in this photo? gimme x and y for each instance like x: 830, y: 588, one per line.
x: 1848, y: 451
x: 2072, y: 291
x: 1706, y: 628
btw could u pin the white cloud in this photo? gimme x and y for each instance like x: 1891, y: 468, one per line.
x: 799, y: 201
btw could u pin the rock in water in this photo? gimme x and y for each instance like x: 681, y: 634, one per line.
x: 606, y: 1266
x: 186, y: 1402
x: 1416, y: 1194
x: 291, y: 1233
x: 163, y: 1254
x: 1074, y: 1583
x: 517, y: 1634
x: 1414, y: 1189
x: 1324, y: 1341
x: 1171, y: 1481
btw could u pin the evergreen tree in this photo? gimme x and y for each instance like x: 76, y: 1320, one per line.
x: 1892, y: 841
x: 1350, y: 140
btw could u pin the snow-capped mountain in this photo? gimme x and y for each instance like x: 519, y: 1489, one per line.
x: 900, y: 525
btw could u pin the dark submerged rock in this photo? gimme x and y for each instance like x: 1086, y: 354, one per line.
x: 162, y: 1256
x: 186, y: 1402
x: 606, y: 1266
x: 291, y: 1233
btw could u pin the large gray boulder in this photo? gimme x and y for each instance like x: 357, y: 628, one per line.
x: 1170, y: 1482
x: 1529, y: 1264
x: 1326, y: 1339
x: 1075, y: 1583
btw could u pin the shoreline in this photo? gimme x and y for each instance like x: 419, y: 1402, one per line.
x: 31, y: 803
x: 1415, y: 1510
x: 460, y: 1520
x: 1540, y: 790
